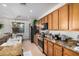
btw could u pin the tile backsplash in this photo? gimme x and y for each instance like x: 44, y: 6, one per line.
x: 73, y: 34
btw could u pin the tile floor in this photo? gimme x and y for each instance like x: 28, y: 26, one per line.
x: 28, y: 46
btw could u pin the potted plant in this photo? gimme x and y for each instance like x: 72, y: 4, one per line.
x: 34, y: 21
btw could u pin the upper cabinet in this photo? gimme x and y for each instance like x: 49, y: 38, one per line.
x: 39, y: 21
x: 42, y: 20
x: 50, y: 21
x: 63, y: 18
x: 74, y: 16
x: 55, y: 20
x: 46, y: 20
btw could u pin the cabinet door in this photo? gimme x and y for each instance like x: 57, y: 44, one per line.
x: 67, y: 52
x: 57, y: 50
x: 74, y: 16
x: 50, y: 48
x: 55, y: 20
x: 39, y: 21
x: 42, y: 20
x: 46, y: 19
x: 50, y: 21
x: 63, y: 18
x: 45, y: 46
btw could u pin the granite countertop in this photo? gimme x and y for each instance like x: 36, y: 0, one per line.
x: 64, y: 44
x: 14, y: 50
x: 5, y: 34
x: 2, y: 35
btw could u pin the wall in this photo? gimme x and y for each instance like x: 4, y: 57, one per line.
x: 72, y: 34
x: 52, y: 9
x: 7, y: 27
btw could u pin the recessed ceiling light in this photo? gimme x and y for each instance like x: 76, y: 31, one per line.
x: 31, y: 11
x: 4, y: 5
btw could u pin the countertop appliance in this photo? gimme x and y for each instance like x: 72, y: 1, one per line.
x: 45, y: 26
x: 41, y: 40
x: 57, y: 37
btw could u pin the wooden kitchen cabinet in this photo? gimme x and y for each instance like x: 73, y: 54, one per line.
x: 74, y: 16
x: 42, y: 20
x: 55, y: 20
x: 67, y: 52
x: 46, y: 20
x: 50, y: 21
x: 54, y: 49
x: 58, y: 50
x: 50, y: 48
x: 45, y: 46
x: 63, y: 18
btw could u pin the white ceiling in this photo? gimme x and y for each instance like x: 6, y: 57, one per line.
x: 14, y: 10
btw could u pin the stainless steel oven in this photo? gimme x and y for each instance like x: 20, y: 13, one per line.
x: 41, y: 41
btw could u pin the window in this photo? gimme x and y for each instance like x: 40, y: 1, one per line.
x: 17, y: 27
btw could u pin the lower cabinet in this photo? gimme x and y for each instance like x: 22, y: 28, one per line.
x: 67, y: 52
x: 50, y: 48
x: 45, y: 46
x: 54, y: 49
x: 57, y: 50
